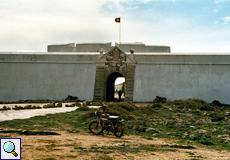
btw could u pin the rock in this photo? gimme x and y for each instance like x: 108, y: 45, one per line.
x: 59, y: 104
x: 201, y: 131
x: 71, y: 105
x: 227, y: 139
x: 50, y: 105
x: 152, y: 130
x: 185, y: 135
x: 227, y: 114
x: 28, y: 107
x: 224, y: 136
x: 37, y: 107
x: 204, y: 120
x: 4, y: 108
x: 78, y: 104
x: 154, y: 135
x: 214, y: 130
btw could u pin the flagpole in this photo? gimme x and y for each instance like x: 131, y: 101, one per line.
x: 120, y: 31
x: 118, y: 20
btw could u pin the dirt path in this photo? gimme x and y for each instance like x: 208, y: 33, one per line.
x: 28, y: 113
x: 91, y: 147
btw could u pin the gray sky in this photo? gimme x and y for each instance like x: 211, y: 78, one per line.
x: 185, y: 25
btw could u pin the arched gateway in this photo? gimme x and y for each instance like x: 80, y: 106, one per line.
x: 110, y: 85
x: 111, y: 65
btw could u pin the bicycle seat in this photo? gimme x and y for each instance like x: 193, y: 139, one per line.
x: 112, y: 118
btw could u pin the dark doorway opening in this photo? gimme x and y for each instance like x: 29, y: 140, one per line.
x: 110, y: 86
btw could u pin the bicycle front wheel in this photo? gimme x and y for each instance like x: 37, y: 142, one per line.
x: 95, y: 127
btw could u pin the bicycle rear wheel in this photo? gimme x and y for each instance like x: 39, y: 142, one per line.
x: 118, y: 130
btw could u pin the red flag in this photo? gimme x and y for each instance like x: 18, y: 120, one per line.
x: 118, y: 20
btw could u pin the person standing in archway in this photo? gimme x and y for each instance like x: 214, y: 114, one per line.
x: 119, y: 94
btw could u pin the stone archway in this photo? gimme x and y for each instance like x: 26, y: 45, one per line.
x: 110, y: 85
x: 111, y: 65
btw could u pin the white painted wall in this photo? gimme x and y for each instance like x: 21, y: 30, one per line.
x: 184, y: 77
x: 34, y: 80
x: 54, y: 76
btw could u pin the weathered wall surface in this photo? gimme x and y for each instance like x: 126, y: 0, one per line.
x: 95, y: 47
x: 38, y: 76
x: 182, y: 76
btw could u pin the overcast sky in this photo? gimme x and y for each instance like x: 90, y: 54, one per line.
x: 184, y: 25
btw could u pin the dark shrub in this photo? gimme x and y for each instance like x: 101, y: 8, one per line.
x: 206, y: 107
x: 205, y: 141
x: 159, y: 99
x: 217, y: 118
x: 157, y: 105
x: 197, y: 113
x: 71, y: 98
x: 216, y: 103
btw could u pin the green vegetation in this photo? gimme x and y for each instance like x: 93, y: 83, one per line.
x: 189, y: 121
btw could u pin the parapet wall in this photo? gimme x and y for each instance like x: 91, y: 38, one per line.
x: 141, y: 47
x: 80, y: 47
x: 95, y: 47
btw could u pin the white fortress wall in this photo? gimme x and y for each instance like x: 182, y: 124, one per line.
x: 182, y: 76
x: 53, y: 76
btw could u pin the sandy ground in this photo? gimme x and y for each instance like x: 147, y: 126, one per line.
x: 82, y: 146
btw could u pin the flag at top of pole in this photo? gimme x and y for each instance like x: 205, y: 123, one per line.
x: 118, y: 20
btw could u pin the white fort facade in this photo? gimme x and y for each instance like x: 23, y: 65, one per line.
x: 89, y: 70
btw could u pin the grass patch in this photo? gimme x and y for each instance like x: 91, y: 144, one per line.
x: 189, y: 121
